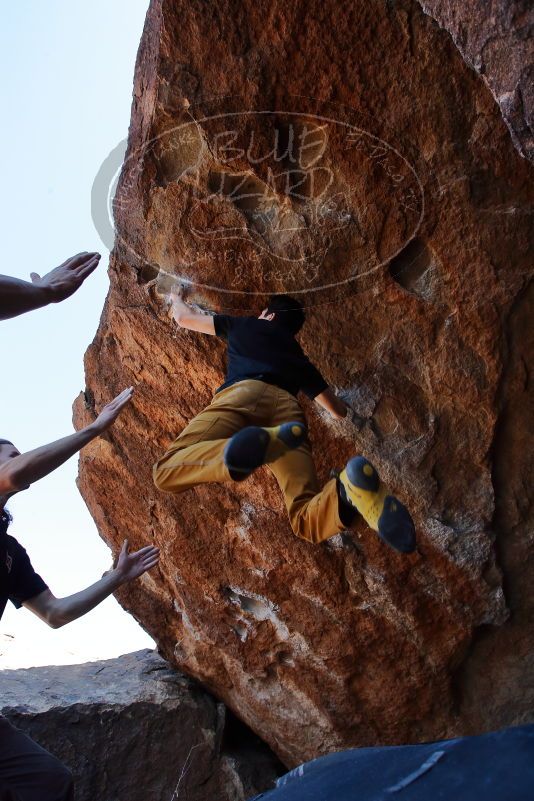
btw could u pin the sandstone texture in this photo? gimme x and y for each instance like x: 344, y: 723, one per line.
x: 496, y: 38
x: 133, y: 729
x: 347, y: 153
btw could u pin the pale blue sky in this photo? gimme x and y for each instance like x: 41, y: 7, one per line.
x: 67, y: 72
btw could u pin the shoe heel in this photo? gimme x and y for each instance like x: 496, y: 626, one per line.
x: 362, y: 474
x: 292, y: 434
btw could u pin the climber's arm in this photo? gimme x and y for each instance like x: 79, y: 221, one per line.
x: 59, y: 611
x: 317, y: 389
x: 332, y: 403
x: 186, y: 317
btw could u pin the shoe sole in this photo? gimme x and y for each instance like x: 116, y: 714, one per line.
x: 249, y: 448
x: 382, y: 512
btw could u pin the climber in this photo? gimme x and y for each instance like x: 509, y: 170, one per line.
x: 255, y: 418
x: 27, y: 771
x: 18, y: 297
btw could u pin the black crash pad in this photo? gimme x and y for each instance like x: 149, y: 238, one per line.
x: 498, y: 766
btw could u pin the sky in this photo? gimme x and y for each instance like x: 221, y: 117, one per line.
x: 65, y: 96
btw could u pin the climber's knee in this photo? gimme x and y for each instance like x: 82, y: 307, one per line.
x: 157, y: 477
x: 300, y: 530
x: 307, y: 528
x: 164, y: 478
x: 316, y: 518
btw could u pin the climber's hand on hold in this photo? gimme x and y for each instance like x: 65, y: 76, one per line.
x: 354, y: 418
x: 111, y: 411
x: 333, y: 404
x: 187, y: 316
x: 177, y: 293
x: 178, y: 308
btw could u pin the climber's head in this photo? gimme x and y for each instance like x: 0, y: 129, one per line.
x: 7, y: 450
x: 285, y: 310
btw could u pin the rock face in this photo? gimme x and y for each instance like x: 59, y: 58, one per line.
x: 133, y: 729
x: 497, y: 39
x: 348, y: 154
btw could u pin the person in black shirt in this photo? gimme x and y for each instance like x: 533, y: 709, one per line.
x: 255, y: 418
x: 27, y: 771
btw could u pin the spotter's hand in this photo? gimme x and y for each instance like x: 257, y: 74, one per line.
x: 132, y: 565
x: 63, y: 281
x: 111, y: 411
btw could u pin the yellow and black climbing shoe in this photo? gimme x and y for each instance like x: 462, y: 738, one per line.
x: 254, y: 446
x: 360, y: 486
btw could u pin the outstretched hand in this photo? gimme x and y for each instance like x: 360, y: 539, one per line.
x: 132, y: 565
x: 111, y: 411
x: 63, y: 281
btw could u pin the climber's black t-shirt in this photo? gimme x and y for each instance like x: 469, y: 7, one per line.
x: 265, y: 350
x: 18, y: 579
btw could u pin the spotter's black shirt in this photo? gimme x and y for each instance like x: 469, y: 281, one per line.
x: 18, y: 579
x: 264, y: 350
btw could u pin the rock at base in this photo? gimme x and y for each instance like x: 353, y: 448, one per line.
x: 133, y: 729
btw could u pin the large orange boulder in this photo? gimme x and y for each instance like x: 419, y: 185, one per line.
x: 347, y: 153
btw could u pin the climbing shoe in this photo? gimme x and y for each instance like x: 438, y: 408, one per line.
x: 360, y: 487
x: 254, y: 446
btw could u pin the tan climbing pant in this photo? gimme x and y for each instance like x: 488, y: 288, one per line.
x: 196, y: 455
